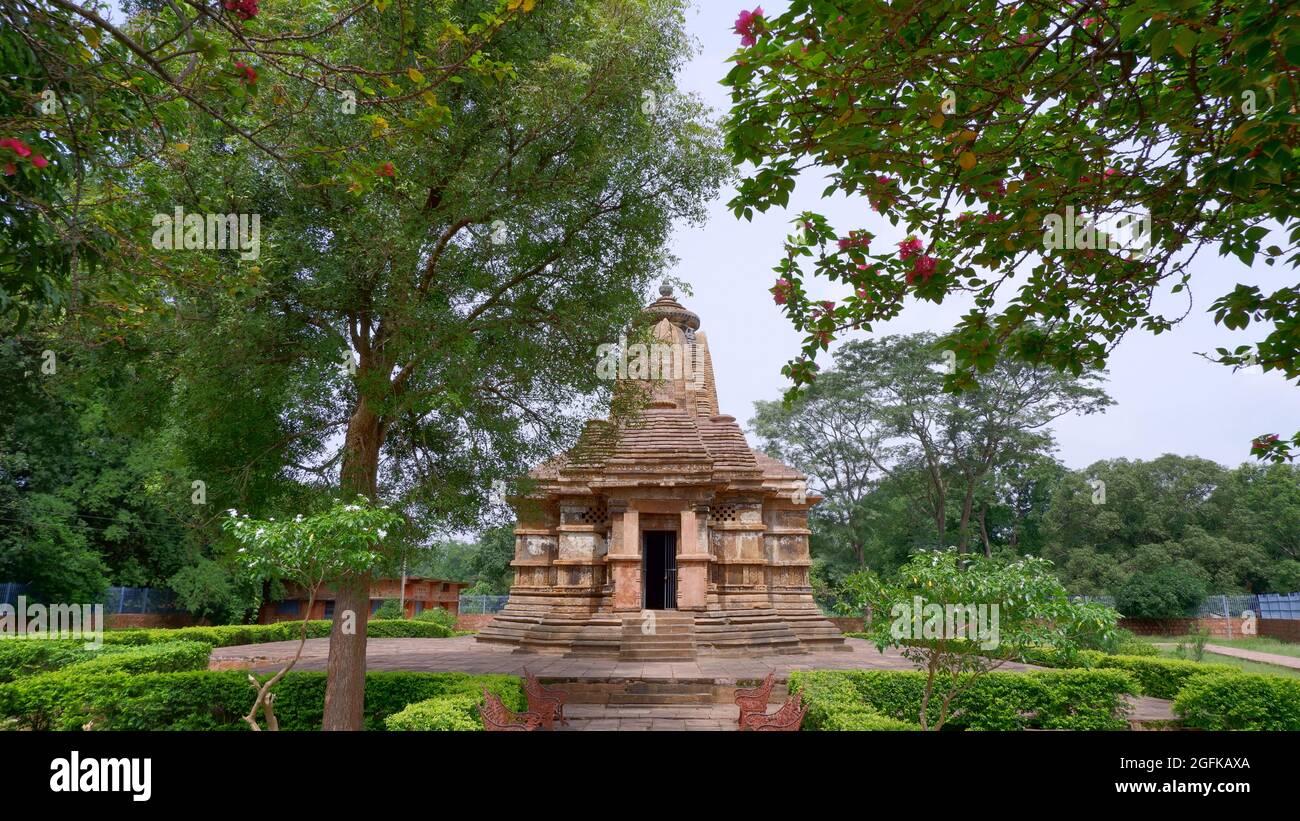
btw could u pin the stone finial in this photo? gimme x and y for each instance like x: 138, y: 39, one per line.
x: 665, y: 290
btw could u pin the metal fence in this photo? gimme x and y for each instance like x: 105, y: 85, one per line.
x: 476, y: 605
x: 1264, y: 605
x: 1278, y: 606
x: 114, y: 599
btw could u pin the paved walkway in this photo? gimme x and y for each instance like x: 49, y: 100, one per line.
x: 1255, y: 655
x: 1249, y: 655
x: 464, y: 654
x: 701, y: 717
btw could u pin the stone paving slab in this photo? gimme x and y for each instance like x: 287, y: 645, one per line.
x: 464, y: 654
x: 1255, y: 655
x: 666, y: 718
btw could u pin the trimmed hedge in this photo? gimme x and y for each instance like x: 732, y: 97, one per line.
x: 1161, y: 678
x: 231, y: 634
x: 22, y: 657
x: 217, y: 699
x: 1241, y: 701
x: 168, y: 657
x: 446, y: 713
x: 1050, y: 699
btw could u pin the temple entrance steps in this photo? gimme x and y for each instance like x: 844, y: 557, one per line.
x: 658, y: 635
x: 746, y: 633
x: 650, y: 692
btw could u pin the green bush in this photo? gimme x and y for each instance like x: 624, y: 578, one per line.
x: 1167, y: 593
x: 217, y: 700
x: 1241, y: 701
x: 446, y: 713
x: 21, y: 657
x: 232, y: 634
x: 389, y: 609
x: 1161, y: 678
x: 438, y: 615
x: 1053, y: 699
x: 167, y: 657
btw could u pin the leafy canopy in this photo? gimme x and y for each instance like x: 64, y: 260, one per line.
x: 975, y: 124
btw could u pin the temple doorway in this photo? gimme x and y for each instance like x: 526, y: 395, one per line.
x: 659, y: 570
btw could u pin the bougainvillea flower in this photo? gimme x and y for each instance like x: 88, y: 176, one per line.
x: 909, y: 248
x: 243, y: 9
x: 922, y: 269
x: 15, y: 145
x: 249, y: 73
x: 781, y: 291
x: 39, y: 161
x: 10, y: 169
x: 748, y: 25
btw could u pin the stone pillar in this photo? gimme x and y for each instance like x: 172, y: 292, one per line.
x: 692, y: 561
x: 624, y: 555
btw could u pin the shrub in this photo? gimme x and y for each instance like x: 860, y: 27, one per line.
x: 217, y: 700
x: 446, y: 713
x: 167, y: 657
x: 1161, y: 678
x: 438, y: 615
x: 21, y: 657
x: 389, y: 609
x: 1058, y: 699
x: 233, y: 634
x: 1240, y: 701
x: 1167, y: 593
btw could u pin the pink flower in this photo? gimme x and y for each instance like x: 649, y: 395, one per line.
x: 909, y: 248
x: 828, y: 306
x: 386, y: 170
x: 249, y: 73
x: 39, y: 161
x: 748, y: 25
x: 781, y: 291
x: 16, y: 145
x: 244, y: 9
x: 10, y: 169
x: 862, y: 294
x: 922, y: 269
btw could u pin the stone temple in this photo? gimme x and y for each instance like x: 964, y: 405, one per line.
x: 664, y: 535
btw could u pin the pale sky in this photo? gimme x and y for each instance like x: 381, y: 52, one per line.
x: 1169, y: 400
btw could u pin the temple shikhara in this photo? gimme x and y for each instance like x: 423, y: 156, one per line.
x: 665, y: 534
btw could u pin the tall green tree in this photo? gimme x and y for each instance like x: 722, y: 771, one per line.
x: 882, y: 413
x: 976, y: 124
x: 426, y: 297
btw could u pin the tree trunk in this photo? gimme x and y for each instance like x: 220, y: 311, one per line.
x: 345, y: 687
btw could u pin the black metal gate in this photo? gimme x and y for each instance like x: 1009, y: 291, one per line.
x: 659, y: 570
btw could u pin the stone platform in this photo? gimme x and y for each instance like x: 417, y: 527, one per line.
x: 463, y: 654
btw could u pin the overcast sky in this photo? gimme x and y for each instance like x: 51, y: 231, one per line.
x: 1169, y: 400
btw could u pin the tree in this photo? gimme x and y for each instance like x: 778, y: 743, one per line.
x: 975, y: 125
x: 1165, y: 593
x: 431, y: 294
x: 87, y: 100
x: 882, y: 413
x: 308, y: 550
x: 959, y: 618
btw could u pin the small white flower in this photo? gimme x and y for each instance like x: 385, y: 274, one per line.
x: 298, y: 518
x: 382, y: 533
x: 232, y: 512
